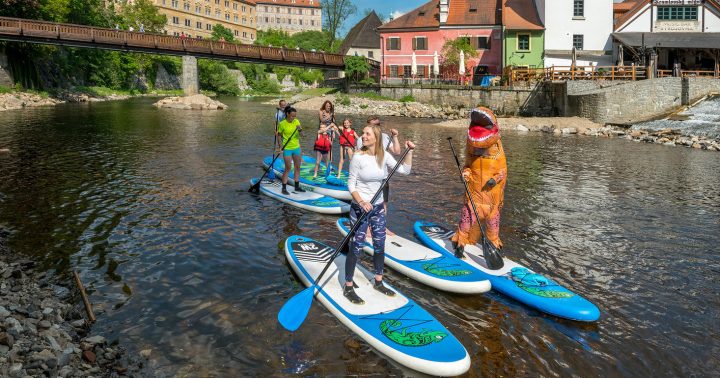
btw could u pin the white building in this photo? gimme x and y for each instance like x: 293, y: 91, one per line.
x: 586, y: 25
x: 685, y: 34
x: 292, y: 16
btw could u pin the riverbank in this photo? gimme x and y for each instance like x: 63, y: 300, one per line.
x: 14, y: 100
x: 42, y: 329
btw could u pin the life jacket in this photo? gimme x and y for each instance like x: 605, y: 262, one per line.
x: 349, y: 138
x: 323, y: 143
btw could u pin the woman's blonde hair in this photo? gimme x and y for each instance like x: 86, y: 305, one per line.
x: 379, y: 150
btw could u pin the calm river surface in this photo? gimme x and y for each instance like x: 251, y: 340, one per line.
x: 151, y: 207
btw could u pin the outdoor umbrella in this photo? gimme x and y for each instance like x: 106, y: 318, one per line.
x: 436, y: 64
x: 621, y: 56
x: 574, y: 57
x: 413, y: 65
x: 462, y: 63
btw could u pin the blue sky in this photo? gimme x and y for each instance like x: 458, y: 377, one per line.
x: 384, y: 7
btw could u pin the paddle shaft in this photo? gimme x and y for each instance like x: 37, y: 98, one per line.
x: 356, y: 225
x: 467, y: 190
x: 273, y: 161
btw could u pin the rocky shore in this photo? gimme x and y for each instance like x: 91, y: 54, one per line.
x: 19, y: 100
x: 194, y: 102
x: 582, y: 126
x: 364, y: 106
x: 42, y: 329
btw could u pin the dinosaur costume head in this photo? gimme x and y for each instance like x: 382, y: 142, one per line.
x: 483, y: 131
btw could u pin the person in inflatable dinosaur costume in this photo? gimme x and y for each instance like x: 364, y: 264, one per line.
x: 485, y: 172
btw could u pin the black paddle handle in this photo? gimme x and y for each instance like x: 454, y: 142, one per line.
x: 467, y: 189
x: 356, y: 225
x: 276, y: 156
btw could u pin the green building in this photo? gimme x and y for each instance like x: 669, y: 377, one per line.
x: 523, y: 35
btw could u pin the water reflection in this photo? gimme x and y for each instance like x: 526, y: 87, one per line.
x: 152, y: 207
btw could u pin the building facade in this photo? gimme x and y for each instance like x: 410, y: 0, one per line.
x: 292, y: 16
x: 196, y: 18
x: 676, y: 34
x: 424, y: 31
x: 580, y: 26
x: 364, y: 39
x: 524, y: 42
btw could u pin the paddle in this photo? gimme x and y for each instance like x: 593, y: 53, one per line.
x: 255, y: 188
x: 492, y: 256
x: 295, y: 310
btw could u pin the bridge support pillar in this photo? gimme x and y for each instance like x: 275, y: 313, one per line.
x: 190, y: 81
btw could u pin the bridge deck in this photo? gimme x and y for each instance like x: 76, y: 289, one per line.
x: 43, y: 32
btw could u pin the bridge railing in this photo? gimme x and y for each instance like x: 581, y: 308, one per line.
x: 125, y: 39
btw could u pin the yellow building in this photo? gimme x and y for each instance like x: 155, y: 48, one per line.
x: 196, y: 18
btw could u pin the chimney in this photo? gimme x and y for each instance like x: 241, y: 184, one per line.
x: 444, y: 5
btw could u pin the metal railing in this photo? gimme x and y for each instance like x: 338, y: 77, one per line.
x: 560, y: 73
x: 55, y: 33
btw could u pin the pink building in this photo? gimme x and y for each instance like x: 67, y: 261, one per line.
x: 424, y: 30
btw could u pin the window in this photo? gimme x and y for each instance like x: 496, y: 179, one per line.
x: 208, y: 27
x: 187, y: 22
x: 421, y: 71
x: 186, y: 6
x: 420, y: 43
x: 578, y: 41
x: 677, y: 13
x: 370, y: 54
x: 393, y: 43
x: 579, y: 8
x: 235, y: 18
x: 207, y: 11
x: 523, y: 42
x: 244, y: 34
x: 312, y: 22
x: 198, y: 25
x: 227, y: 16
x: 407, y: 71
x: 227, y: 3
x: 198, y: 9
x: 300, y: 21
x: 175, y: 3
x: 176, y: 20
x: 266, y: 20
x: 393, y: 71
x: 237, y: 33
x: 235, y: 7
x: 480, y: 43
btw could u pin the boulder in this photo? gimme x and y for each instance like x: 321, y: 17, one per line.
x: 195, y: 102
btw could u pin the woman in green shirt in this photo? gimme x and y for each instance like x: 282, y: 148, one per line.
x: 287, y: 129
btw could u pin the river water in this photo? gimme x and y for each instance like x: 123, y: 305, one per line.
x: 151, y: 207
x: 702, y: 119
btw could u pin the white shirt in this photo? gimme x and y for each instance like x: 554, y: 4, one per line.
x: 385, y: 138
x: 366, y: 177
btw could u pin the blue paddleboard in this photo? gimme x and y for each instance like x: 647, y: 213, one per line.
x: 304, y: 200
x: 336, y: 188
x: 396, y: 326
x: 515, y: 280
x: 440, y: 270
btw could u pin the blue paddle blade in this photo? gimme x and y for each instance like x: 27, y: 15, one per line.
x: 293, y: 313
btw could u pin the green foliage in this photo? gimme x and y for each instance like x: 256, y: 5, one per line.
x: 220, y: 32
x: 451, y: 50
x: 356, y: 67
x: 368, y: 81
x: 343, y: 100
x: 363, y: 106
x: 142, y: 12
x: 273, y: 37
x: 373, y: 96
x: 335, y: 12
x: 215, y: 76
x: 4, y: 89
x: 307, y: 40
x: 20, y: 8
x: 318, y: 91
x: 266, y: 86
x: 408, y: 98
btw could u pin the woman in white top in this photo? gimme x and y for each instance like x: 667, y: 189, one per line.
x: 368, y: 169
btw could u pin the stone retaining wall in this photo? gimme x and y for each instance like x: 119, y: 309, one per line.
x: 531, y: 101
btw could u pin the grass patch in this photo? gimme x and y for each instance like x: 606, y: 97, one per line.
x: 373, y: 96
x: 343, y: 100
x: 101, y: 91
x: 408, y: 98
x: 318, y: 91
x: 5, y: 89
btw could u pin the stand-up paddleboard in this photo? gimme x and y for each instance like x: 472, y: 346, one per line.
x: 515, y: 280
x: 440, y: 270
x: 307, y: 200
x: 316, y: 184
x: 396, y: 326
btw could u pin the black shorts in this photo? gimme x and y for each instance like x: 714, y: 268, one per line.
x: 386, y: 193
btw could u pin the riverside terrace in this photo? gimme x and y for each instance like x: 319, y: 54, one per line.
x: 42, y: 32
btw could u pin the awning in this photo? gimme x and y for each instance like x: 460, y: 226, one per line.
x: 670, y: 40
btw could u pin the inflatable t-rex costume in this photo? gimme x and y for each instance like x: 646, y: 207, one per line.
x: 485, y: 172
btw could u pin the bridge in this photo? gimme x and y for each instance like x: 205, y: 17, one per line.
x: 52, y: 33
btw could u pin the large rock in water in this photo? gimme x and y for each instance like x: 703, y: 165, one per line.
x: 196, y: 102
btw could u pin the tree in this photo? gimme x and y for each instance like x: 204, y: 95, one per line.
x: 145, y: 13
x: 20, y: 8
x: 335, y: 12
x: 451, y: 50
x: 220, y: 32
x: 274, y: 37
x: 356, y: 67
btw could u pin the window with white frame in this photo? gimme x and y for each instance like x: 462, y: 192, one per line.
x: 578, y: 41
x: 579, y: 8
x: 420, y: 43
x: 677, y: 13
x: 393, y: 43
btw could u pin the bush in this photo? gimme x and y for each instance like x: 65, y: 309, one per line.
x: 343, y: 100
x: 408, y: 98
x: 373, y: 96
x: 216, y: 77
x: 5, y: 89
x: 266, y: 86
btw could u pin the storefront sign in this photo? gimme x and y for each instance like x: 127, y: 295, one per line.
x: 677, y: 2
x: 677, y: 26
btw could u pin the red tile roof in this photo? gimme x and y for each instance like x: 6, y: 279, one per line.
x: 474, y: 12
x: 521, y: 15
x: 425, y: 16
x: 634, y: 6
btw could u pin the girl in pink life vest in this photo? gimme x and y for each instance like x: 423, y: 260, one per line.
x: 347, y: 143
